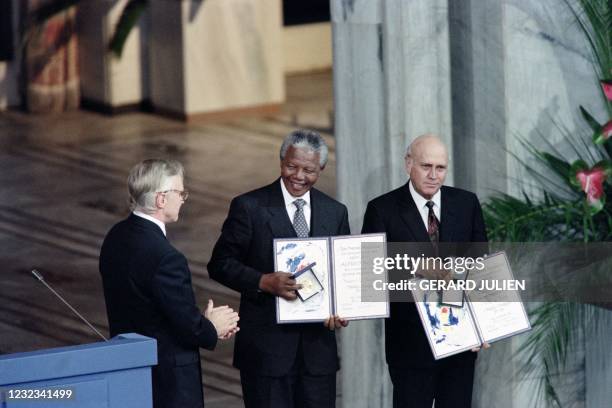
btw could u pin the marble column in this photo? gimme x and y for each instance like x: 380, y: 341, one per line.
x: 111, y: 83
x: 478, y: 111
x: 482, y: 75
x: 216, y: 56
x: 547, y: 74
x: 391, y: 84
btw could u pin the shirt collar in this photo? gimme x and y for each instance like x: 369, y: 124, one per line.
x: 152, y: 219
x: 289, y: 199
x: 420, y: 201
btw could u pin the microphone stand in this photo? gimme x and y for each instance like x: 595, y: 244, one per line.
x: 39, y: 277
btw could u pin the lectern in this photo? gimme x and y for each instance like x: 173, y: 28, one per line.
x: 112, y: 374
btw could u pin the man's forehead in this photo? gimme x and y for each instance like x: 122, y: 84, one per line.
x: 432, y: 156
x: 301, y: 153
x: 429, y: 147
x: 176, y: 180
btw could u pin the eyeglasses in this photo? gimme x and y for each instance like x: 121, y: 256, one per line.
x: 182, y: 193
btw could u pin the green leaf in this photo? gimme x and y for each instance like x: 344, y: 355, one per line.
x: 595, y: 206
x: 129, y: 18
x: 590, y: 120
x: 559, y: 166
x: 598, y: 137
x: 606, y: 166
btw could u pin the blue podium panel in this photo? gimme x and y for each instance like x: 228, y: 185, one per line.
x: 110, y: 374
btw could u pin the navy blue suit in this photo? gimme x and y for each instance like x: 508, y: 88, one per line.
x: 147, y: 288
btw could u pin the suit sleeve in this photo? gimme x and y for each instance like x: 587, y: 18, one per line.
x: 226, y: 265
x: 171, y: 287
x: 372, y: 222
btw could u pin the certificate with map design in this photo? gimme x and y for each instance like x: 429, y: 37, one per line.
x: 329, y: 270
x: 485, y: 317
x: 450, y: 330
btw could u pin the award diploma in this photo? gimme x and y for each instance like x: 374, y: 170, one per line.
x: 486, y: 316
x: 329, y: 270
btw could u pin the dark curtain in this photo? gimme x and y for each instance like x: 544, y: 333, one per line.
x: 305, y: 11
x: 6, y: 31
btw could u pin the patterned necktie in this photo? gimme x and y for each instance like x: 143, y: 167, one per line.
x: 433, y: 225
x: 299, y: 221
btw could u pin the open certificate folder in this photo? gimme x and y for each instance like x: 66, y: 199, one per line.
x: 485, y: 317
x: 329, y: 270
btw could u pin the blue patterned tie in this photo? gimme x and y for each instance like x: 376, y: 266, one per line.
x: 299, y: 221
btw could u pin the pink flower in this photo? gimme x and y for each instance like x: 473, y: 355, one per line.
x: 607, y: 88
x: 591, y: 182
x: 606, y: 131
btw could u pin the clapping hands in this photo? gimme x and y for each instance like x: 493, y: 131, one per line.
x: 224, y: 318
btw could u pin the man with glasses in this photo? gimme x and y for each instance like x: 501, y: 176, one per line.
x: 147, y: 286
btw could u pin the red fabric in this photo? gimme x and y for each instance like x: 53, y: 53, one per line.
x: 52, y: 64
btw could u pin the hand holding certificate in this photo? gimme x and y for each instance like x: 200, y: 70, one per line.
x: 280, y: 284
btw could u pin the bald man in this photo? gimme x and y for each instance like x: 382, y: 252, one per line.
x: 424, y: 210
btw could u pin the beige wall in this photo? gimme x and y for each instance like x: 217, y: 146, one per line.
x: 215, y: 56
x: 105, y: 78
x: 307, y: 47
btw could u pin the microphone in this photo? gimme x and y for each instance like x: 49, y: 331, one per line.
x: 38, y: 276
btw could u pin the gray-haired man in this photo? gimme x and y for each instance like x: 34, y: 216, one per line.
x: 147, y: 286
x: 280, y: 365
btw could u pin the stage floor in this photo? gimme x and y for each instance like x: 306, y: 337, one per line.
x: 63, y: 183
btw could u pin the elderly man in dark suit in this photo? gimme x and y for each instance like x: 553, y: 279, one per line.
x: 423, y: 210
x: 147, y: 286
x: 290, y: 365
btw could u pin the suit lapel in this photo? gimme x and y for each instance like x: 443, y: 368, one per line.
x: 279, y: 221
x: 448, y: 217
x: 411, y: 216
x: 319, y: 218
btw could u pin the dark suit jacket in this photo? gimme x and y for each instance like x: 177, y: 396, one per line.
x: 147, y: 287
x: 396, y: 214
x: 243, y: 252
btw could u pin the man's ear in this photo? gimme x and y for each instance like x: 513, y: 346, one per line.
x: 408, y: 164
x: 160, y: 200
x: 322, y: 167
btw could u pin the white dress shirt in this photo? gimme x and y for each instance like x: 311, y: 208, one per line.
x: 291, y: 208
x: 421, y: 203
x: 152, y: 219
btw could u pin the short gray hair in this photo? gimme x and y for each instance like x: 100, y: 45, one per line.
x: 148, y: 177
x: 306, y: 139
